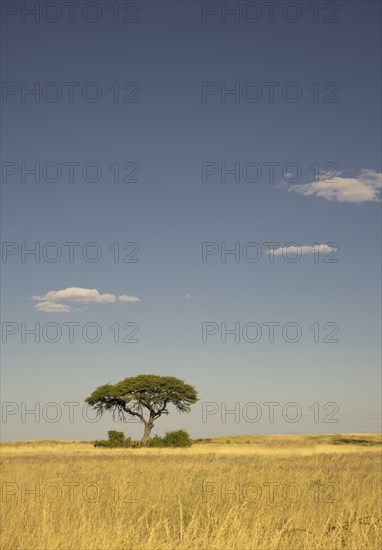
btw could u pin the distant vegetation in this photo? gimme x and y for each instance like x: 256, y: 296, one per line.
x: 354, y: 440
x: 116, y: 439
x: 178, y: 438
x: 295, y: 440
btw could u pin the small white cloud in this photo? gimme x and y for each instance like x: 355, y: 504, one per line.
x: 364, y: 188
x: 51, y: 307
x: 188, y: 296
x: 126, y: 298
x: 76, y: 294
x: 51, y: 301
x: 304, y: 249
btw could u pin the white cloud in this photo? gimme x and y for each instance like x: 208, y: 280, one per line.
x: 51, y: 307
x: 188, y: 295
x: 75, y: 294
x: 303, y: 249
x: 364, y: 188
x: 126, y: 298
x: 51, y: 301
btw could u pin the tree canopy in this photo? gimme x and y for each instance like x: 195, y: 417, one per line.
x: 131, y: 396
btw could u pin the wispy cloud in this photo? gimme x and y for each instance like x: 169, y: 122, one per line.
x: 52, y: 300
x: 51, y: 307
x: 303, y: 249
x: 126, y: 298
x: 364, y: 188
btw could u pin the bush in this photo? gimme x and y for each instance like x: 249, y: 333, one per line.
x: 116, y: 439
x: 179, y: 438
x: 101, y: 443
x: 156, y: 441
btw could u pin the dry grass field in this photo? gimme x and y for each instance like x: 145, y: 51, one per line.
x: 258, y: 493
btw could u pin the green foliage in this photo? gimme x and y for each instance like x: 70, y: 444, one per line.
x: 156, y: 441
x: 178, y: 438
x: 130, y: 397
x: 116, y: 439
x: 146, y: 390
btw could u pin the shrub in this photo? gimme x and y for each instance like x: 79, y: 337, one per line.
x: 156, y: 441
x: 102, y: 443
x: 179, y: 438
x: 116, y: 439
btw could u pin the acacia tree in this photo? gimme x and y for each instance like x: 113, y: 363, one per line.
x: 132, y: 396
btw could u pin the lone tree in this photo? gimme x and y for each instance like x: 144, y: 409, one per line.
x: 131, y: 396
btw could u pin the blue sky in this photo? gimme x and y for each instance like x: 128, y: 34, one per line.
x: 170, y: 211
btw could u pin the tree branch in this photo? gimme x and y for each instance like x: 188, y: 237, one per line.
x: 162, y: 409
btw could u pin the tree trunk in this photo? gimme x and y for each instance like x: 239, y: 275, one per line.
x: 148, y: 427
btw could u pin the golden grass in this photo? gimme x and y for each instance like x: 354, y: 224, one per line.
x: 258, y: 493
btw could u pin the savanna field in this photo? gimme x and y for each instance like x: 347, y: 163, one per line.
x: 250, y: 493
